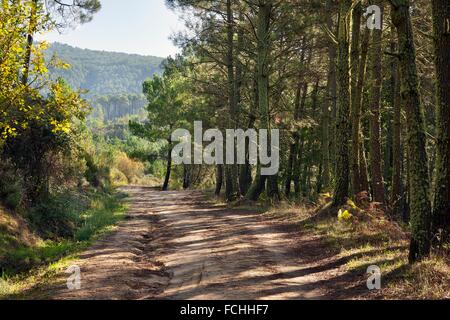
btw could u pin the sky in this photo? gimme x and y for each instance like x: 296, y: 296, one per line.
x: 130, y: 26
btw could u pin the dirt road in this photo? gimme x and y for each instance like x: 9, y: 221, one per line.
x: 176, y: 245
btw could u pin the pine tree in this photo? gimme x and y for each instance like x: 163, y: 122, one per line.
x: 441, y: 23
x: 419, y: 201
x: 343, y: 128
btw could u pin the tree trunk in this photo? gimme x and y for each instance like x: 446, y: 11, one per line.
x: 245, y: 174
x: 186, y: 176
x: 219, y: 179
x: 298, y: 164
x: 273, y: 190
x: 419, y: 201
x: 263, y: 38
x: 289, y: 170
x: 441, y: 23
x: 343, y: 130
x: 30, y: 39
x: 355, y: 94
x: 293, y: 151
x: 245, y: 170
x: 388, y: 148
x: 330, y: 103
x: 299, y: 142
x: 375, y: 127
x: 169, y: 167
x: 231, y: 187
x: 257, y: 187
x: 359, y: 166
x: 397, y: 198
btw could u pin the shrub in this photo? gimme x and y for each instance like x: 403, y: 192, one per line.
x: 10, y: 188
x: 118, y: 178
x: 133, y: 170
x: 57, y: 216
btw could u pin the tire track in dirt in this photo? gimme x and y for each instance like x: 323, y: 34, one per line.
x: 177, y: 245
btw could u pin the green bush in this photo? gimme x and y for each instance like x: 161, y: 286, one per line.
x: 97, y: 175
x: 13, y: 199
x: 100, y: 215
x: 57, y: 216
x: 10, y: 189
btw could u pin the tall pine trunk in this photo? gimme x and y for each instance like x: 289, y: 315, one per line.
x: 263, y: 46
x: 330, y: 103
x: 343, y: 128
x: 355, y: 96
x: 375, y: 106
x: 292, y: 170
x: 231, y: 179
x: 219, y: 179
x: 419, y: 202
x: 360, y: 180
x: 397, y: 197
x: 299, y: 140
x: 441, y: 23
x: 169, y: 167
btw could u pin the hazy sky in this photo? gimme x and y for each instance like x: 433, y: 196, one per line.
x: 131, y: 26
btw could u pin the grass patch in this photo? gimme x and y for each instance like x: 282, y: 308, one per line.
x: 26, y: 266
x: 371, y: 239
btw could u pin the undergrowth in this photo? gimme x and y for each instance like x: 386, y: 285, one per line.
x: 24, y: 266
x: 369, y: 237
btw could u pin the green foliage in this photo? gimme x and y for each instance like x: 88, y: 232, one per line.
x: 91, y: 220
x: 113, y: 107
x: 66, y: 14
x: 105, y: 212
x: 103, y: 73
x: 50, y: 135
x: 96, y: 173
x: 10, y: 188
x: 111, y: 81
x: 14, y: 23
x: 57, y: 216
x: 164, y: 110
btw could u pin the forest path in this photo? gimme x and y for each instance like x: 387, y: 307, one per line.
x: 177, y: 245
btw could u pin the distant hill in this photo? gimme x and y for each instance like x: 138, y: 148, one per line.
x: 104, y: 73
x: 113, y: 80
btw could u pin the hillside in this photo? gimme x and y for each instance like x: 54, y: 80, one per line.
x: 113, y: 80
x: 104, y: 73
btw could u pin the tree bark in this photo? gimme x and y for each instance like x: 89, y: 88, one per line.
x: 419, y: 202
x: 360, y: 180
x: 356, y: 64
x: 30, y: 39
x: 169, y: 167
x: 298, y: 138
x: 375, y: 127
x: 186, y: 176
x: 231, y: 182
x: 289, y: 170
x: 330, y: 103
x: 441, y: 23
x: 219, y: 180
x: 397, y: 197
x: 263, y: 50
x: 257, y: 187
x: 343, y: 130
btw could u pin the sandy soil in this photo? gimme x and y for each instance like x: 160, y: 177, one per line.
x: 176, y: 245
